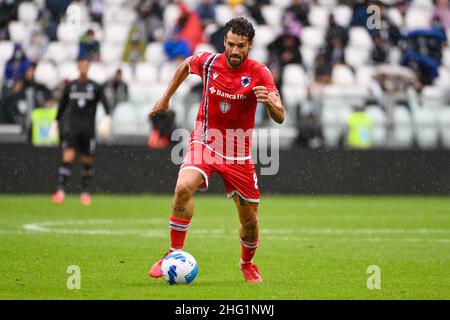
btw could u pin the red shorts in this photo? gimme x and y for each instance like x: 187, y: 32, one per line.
x: 239, y: 176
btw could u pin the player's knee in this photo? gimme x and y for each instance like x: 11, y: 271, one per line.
x: 184, y: 190
x: 250, y: 225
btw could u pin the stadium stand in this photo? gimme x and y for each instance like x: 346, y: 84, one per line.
x: 424, y: 123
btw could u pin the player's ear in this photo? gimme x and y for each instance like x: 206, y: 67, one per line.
x: 251, y: 44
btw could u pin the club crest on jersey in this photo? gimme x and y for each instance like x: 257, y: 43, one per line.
x: 245, y: 81
x: 224, y: 106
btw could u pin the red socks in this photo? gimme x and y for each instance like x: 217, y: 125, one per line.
x: 248, y: 251
x: 178, y: 228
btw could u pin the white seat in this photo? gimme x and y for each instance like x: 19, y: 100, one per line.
x: 149, y: 93
x: 204, y: 47
x: 155, y: 54
x: 327, y: 3
x: 426, y: 129
x: 166, y: 72
x: 6, y: 50
x: 272, y: 14
x: 444, y: 126
x: 402, y: 128
x: 223, y: 14
x: 67, y: 33
x: 260, y: 54
x: 171, y: 14
x: 318, y: 17
x: 146, y: 72
x: 111, y: 53
x: 68, y: 71
x: 378, y: 118
x: 443, y: 78
x: 364, y: 75
x: 27, y: 12
x: 264, y: 35
x: 281, y: 3
x: 417, y: 18
x: 125, y: 119
x: 47, y: 74
x: 308, y: 56
x: 395, y: 16
x: 56, y: 52
x: 360, y: 38
x: 294, y: 75
x: 428, y: 4
x: 98, y: 72
x: 446, y: 57
x: 18, y: 31
x: 342, y: 15
x: 432, y: 98
x: 342, y: 75
x: 312, y: 37
x: 333, y: 121
x: 116, y: 34
x: 356, y: 56
x: 2, y: 72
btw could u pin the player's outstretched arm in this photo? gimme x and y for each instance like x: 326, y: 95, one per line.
x: 272, y: 102
x: 162, y: 105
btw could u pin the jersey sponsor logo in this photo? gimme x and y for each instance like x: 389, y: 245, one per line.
x: 230, y: 96
x: 215, y: 75
x: 224, y: 106
x: 246, y: 81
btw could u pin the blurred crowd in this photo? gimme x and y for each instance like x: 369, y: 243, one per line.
x: 197, y: 23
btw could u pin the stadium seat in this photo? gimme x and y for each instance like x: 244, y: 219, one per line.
x: 281, y: 3
x: 6, y: 50
x: 364, y: 75
x: 111, y: 53
x: 273, y: 15
x: 116, y: 34
x: 146, y: 73
x: 27, y: 12
x: 223, y: 14
x: 360, y: 38
x: 47, y: 74
x: 395, y: 16
x: 312, y: 37
x: 417, y: 18
x: 204, y: 47
x: 2, y: 71
x: 125, y: 119
x: 127, y: 74
x: 433, y: 98
x: 260, y: 54
x: 342, y: 75
x: 318, y: 17
x: 98, y: 72
x: 68, y: 71
x: 342, y: 15
x: 166, y: 72
x: 264, y: 35
x: 68, y: 34
x: 155, y: 53
x: 18, y: 31
x: 427, y: 4
x: 425, y: 128
x: 294, y: 75
x: 379, y: 131
x: 444, y: 126
x: 308, y: 56
x: 56, y: 52
x: 356, y: 56
x: 443, y: 79
x: 328, y: 3
x: 402, y: 134
x: 446, y: 57
x: 333, y: 123
x: 171, y: 14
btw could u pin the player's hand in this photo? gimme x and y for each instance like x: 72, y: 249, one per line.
x: 162, y: 105
x: 104, y: 130
x: 261, y: 93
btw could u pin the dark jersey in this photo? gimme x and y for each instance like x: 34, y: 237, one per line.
x: 78, y: 105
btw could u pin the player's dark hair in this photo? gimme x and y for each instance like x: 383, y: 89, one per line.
x: 241, y: 27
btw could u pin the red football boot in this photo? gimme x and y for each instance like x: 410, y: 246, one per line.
x: 251, y: 272
x: 155, y: 270
x: 58, y: 197
x: 85, y: 199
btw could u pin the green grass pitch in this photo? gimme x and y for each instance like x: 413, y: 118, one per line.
x: 311, y: 248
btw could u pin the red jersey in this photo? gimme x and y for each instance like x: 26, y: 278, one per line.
x: 226, y: 115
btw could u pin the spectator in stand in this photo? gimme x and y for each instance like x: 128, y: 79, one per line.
x: 309, y: 132
x: 324, y: 68
x: 116, y: 90
x: 96, y: 10
x: 379, y: 52
x: 150, y: 16
x: 8, y: 12
x: 335, y: 51
x: 442, y: 11
x: 135, y: 47
x: 206, y: 11
x: 187, y: 34
x: 300, y: 9
x: 254, y: 9
x: 89, y: 47
x: 36, y: 44
x: 15, y: 67
x: 335, y: 30
x: 56, y: 10
x: 285, y: 48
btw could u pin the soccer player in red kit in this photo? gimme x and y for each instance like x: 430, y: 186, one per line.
x: 233, y: 84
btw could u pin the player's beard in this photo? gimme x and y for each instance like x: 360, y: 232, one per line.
x: 234, y: 63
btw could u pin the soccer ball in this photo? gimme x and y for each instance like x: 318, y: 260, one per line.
x: 179, y: 267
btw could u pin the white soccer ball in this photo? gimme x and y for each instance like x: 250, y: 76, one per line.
x: 179, y: 267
